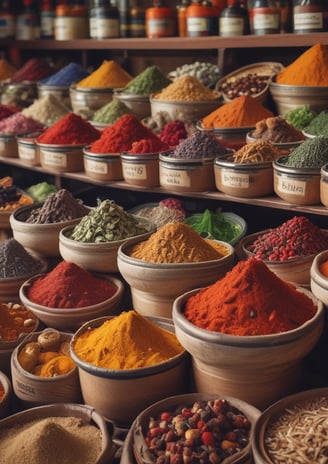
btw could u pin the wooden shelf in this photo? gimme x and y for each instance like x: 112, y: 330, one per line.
x: 173, y: 43
x: 271, y: 201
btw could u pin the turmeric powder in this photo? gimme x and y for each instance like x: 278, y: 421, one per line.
x: 244, y: 111
x: 176, y: 243
x: 310, y: 68
x: 109, y: 74
x: 106, y: 346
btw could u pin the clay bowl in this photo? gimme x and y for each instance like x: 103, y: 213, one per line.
x: 232, y: 364
x: 70, y: 319
x: 96, y: 257
x: 136, y: 447
x: 102, y: 388
x: 34, y: 390
x: 154, y: 286
x: 41, y: 238
x: 84, y: 412
x: 269, y: 433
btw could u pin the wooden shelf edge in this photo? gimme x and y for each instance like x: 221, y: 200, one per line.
x: 271, y: 201
x: 173, y: 43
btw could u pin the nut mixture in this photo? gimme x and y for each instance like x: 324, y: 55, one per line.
x: 252, y: 84
x: 207, y: 432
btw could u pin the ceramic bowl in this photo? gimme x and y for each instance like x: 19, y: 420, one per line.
x: 96, y: 257
x: 245, y: 180
x: 232, y: 364
x: 289, y: 97
x: 296, y: 270
x: 155, y: 286
x: 85, y: 101
x: 318, y: 281
x: 135, y: 446
x: 298, y: 186
x: 6, y: 397
x: 275, y: 428
x: 280, y: 145
x: 84, y: 412
x: 34, y: 390
x: 41, y: 238
x: 102, y: 388
x: 141, y: 170
x: 183, y: 110
x: 69, y: 319
x: 324, y: 185
x: 138, y: 104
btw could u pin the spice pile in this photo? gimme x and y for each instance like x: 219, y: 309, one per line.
x: 56, y: 439
x: 69, y: 74
x: 214, y: 226
x: 10, y: 197
x: 48, y: 356
x: 33, y: 70
x: 167, y: 210
x: 199, y: 145
x: 318, y: 125
x: 186, y: 88
x: 7, y: 70
x: 173, y: 132
x: 47, y: 110
x: 70, y: 129
x: 59, y: 206
x: 149, y: 81
x: 206, y: 73
x: 15, y: 320
x: 18, y: 123
x: 177, y: 243
x: 107, y: 222
x: 16, y: 261
x: 206, y: 431
x: 249, y: 300
x: 315, y: 60
x: 120, y: 136
x: 244, y: 111
x: 300, y: 117
x: 256, y: 152
x: 111, y: 112
x: 108, y: 74
x: 312, y: 153
x: 69, y: 286
x: 7, y: 110
x: 294, y: 238
x: 105, y: 346
x: 277, y: 130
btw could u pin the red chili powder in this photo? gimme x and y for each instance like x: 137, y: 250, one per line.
x: 69, y: 286
x: 173, y: 132
x: 120, y: 136
x: 70, y: 129
x: 144, y: 146
x: 249, y: 300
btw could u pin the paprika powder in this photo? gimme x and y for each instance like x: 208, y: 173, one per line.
x: 69, y: 286
x: 249, y: 300
x: 120, y: 136
x: 144, y: 146
x: 70, y: 129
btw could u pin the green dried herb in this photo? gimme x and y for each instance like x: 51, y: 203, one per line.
x: 149, y: 81
x: 213, y: 226
x: 318, y: 125
x: 312, y: 153
x: 300, y: 117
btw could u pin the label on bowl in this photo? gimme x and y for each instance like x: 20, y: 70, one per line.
x: 134, y: 171
x: 175, y: 177
x: 291, y: 186
x: 54, y: 159
x: 96, y: 166
x: 27, y: 153
x: 232, y: 179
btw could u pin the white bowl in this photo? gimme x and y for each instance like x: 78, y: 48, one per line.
x: 155, y: 286
x: 96, y: 257
x: 319, y: 282
x: 6, y: 399
x: 69, y: 319
x: 235, y: 365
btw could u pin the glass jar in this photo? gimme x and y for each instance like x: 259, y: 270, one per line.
x: 308, y: 16
x: 137, y: 19
x: 7, y: 21
x: 27, y: 22
x: 233, y: 19
x: 47, y: 19
x: 264, y: 16
x: 160, y: 21
x: 182, y: 18
x: 104, y: 20
x: 202, y: 19
x: 71, y: 22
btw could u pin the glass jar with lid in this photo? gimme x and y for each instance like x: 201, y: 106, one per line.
x: 104, y: 20
x: 264, y: 16
x: 308, y: 16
